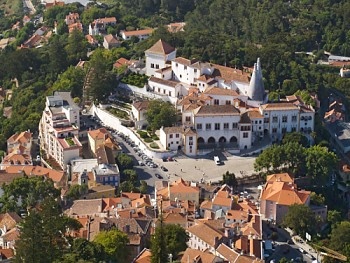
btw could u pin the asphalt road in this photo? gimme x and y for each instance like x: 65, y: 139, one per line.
x: 282, y: 248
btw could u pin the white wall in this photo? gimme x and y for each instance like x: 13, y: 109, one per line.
x: 110, y: 120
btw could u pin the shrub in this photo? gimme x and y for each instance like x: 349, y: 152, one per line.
x: 155, y: 137
x: 154, y: 145
x: 143, y: 134
x: 148, y: 140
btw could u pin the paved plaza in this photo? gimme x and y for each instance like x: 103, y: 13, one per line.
x: 204, y: 168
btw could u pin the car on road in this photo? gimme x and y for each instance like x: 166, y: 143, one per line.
x: 158, y: 176
x: 164, y: 168
x: 290, y: 242
x: 141, y: 163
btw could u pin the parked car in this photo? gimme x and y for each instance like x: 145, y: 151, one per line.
x: 170, y: 159
x: 164, y: 168
x: 158, y: 176
x: 141, y: 163
x: 290, y: 242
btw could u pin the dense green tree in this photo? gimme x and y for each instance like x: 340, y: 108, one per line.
x: 334, y: 217
x: 24, y: 192
x: 160, y: 113
x: 124, y: 161
x: 71, y: 80
x: 75, y: 191
x: 114, y: 243
x: 297, y: 137
x: 44, y: 227
x: 230, y: 179
x: 317, y: 199
x: 340, y: 238
x: 320, y: 163
x: 143, y: 187
x: 168, y: 239
x: 76, y: 47
x: 300, y: 218
x: 130, y: 175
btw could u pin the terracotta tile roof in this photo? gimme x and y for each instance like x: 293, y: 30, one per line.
x: 144, y: 256
x: 11, y: 235
x: 110, y: 39
x: 254, y: 114
x: 222, y: 201
x: 169, y: 83
x: 100, y: 133
x: 138, y: 32
x: 7, y: 253
x: 14, y: 158
x: 86, y: 207
x: 206, y: 204
x: 185, y: 61
x: 10, y: 220
x: 176, y: 27
x: 216, y: 110
x: 220, y: 91
x: 141, y: 105
x: 227, y: 253
x: 161, y: 47
x: 106, y: 20
x: 206, y: 233
x: 181, y: 187
x: 284, y: 193
x: 217, y: 224
x: 194, y: 255
x: 23, y: 137
x: 253, y: 227
x: 237, y: 215
x: 279, y: 106
x: 175, y: 218
x: 282, y: 177
x: 121, y: 62
x: 230, y: 74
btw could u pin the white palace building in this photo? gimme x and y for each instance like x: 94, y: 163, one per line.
x: 220, y: 106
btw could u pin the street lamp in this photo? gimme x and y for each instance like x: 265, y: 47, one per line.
x: 170, y: 257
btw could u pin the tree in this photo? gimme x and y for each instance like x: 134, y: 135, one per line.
x: 114, y: 243
x: 70, y: 80
x: 300, y: 218
x: 143, y: 187
x: 77, y: 46
x: 230, y: 179
x: 124, y: 161
x: 131, y: 175
x: 320, y: 163
x: 317, y: 199
x: 44, y: 227
x: 76, y: 191
x: 160, y: 113
x: 296, y: 137
x: 175, y: 238
x: 334, y: 217
x: 340, y: 238
x: 31, y: 191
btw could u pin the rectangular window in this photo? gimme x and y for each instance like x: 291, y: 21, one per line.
x: 216, y: 102
x: 284, y: 130
x: 170, y: 93
x: 266, y: 120
x: 199, y: 126
x: 170, y: 136
x: 217, y: 126
x: 152, y: 65
x: 208, y: 126
x: 177, y: 135
x: 245, y: 134
x: 195, y: 70
x: 228, y: 102
x: 294, y: 129
x: 226, y: 126
x: 176, y: 64
x: 260, y: 122
x: 157, y: 66
x: 274, y: 119
x: 234, y: 125
x: 159, y: 90
x: 185, y: 67
x: 284, y: 118
x: 294, y: 118
x: 274, y: 130
x: 188, y: 118
x: 190, y: 138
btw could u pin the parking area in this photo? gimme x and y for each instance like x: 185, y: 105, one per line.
x: 204, y: 169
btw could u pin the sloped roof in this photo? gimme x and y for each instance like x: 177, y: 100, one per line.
x: 144, y: 256
x: 282, y: 177
x: 216, y: 109
x: 141, y: 105
x: 195, y: 255
x: 280, y: 106
x: 220, y: 91
x: 284, y: 193
x: 161, y: 47
x: 206, y: 233
x: 23, y: 137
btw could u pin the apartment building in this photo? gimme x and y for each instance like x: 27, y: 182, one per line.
x: 59, y: 129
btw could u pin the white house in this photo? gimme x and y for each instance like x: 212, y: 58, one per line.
x: 138, y: 110
x: 157, y: 57
x: 140, y: 34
